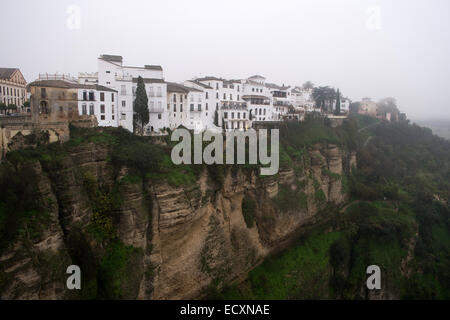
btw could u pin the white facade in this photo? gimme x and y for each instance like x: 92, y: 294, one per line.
x: 259, y: 99
x: 193, y: 104
x: 282, y: 101
x: 101, y: 102
x: 113, y: 74
x: 190, y: 106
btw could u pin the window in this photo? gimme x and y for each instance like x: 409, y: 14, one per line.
x: 102, y: 117
x: 199, y: 107
x: 133, y: 89
x: 232, y: 115
x: 91, y: 109
x: 206, y: 106
x: 152, y: 105
x: 192, y: 107
x: 112, y: 109
x: 217, y: 95
x: 217, y: 86
x: 238, y: 88
x: 102, y: 108
x: 84, y: 109
x: 181, y: 107
x: 174, y: 108
x: 159, y: 92
x: 224, y: 96
x: 239, y: 115
x: 174, y: 98
x: 238, y: 97
x: 151, y: 93
x: 159, y: 105
x: 231, y: 96
x: 217, y: 106
x: 123, y: 103
x: 112, y: 97
x: 123, y: 116
x: 159, y: 116
x: 108, y: 71
x: 102, y: 96
x: 244, y: 115
x: 207, y: 95
x: 91, y: 96
x: 43, y: 92
x: 225, y: 115
x: 253, y: 89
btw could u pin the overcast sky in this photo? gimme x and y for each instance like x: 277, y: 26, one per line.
x: 376, y: 48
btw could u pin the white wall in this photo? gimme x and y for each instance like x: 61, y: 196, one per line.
x: 109, y: 117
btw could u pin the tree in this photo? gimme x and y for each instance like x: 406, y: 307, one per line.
x: 387, y: 105
x: 308, y: 85
x: 141, y: 112
x: 338, y: 102
x: 354, y: 107
x: 324, y: 97
x: 216, y: 118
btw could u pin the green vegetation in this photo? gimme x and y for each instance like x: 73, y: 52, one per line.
x: 298, y: 273
x: 400, y: 192
x: 290, y: 198
x: 248, y: 211
x: 402, y: 177
x: 140, y: 106
x: 117, y: 267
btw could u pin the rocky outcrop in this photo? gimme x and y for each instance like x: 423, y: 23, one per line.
x: 191, y: 237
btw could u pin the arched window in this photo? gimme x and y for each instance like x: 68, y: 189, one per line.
x: 91, y: 109
x: 84, y: 109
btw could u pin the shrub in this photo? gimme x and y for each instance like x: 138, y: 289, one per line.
x: 248, y: 211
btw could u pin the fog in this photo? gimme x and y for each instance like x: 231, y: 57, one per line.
x: 370, y: 49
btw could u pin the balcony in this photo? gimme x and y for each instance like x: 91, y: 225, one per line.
x: 229, y: 105
x: 282, y: 104
x: 156, y: 109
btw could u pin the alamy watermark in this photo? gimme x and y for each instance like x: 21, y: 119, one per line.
x: 73, y: 21
x: 213, y: 153
x: 374, y: 21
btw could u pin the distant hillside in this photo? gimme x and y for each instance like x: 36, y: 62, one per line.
x: 440, y: 127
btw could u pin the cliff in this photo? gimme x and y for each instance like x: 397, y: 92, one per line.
x: 146, y: 238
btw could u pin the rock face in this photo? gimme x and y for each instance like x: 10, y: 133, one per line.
x: 191, y: 237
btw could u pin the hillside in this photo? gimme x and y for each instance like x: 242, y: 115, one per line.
x: 140, y: 227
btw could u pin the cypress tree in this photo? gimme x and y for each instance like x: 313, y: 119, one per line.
x: 338, y: 102
x: 141, y: 112
x: 216, y: 118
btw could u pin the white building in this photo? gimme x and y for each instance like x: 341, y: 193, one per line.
x: 94, y: 99
x: 259, y: 99
x: 281, y: 99
x: 226, y: 96
x: 211, y: 105
x: 186, y: 107
x: 113, y: 74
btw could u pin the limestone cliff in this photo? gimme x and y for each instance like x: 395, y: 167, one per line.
x: 185, y: 237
